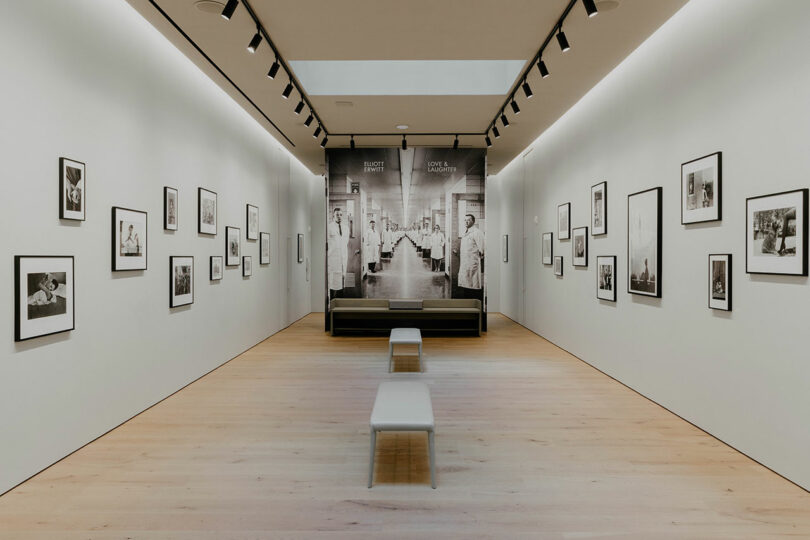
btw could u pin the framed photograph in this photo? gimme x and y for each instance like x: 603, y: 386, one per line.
x: 181, y: 281
x: 606, y: 277
x: 564, y: 221
x: 558, y: 266
x: 776, y: 233
x: 72, y: 190
x: 547, y: 248
x: 264, y: 248
x: 580, y: 246
x: 247, y: 266
x: 505, y: 247
x: 129, y: 237
x: 300, y: 248
x: 720, y: 281
x: 599, y: 209
x: 169, y: 208
x: 206, y: 211
x: 252, y: 222
x: 43, y: 295
x: 215, y: 267
x: 233, y: 246
x: 701, y: 197
x: 644, y: 242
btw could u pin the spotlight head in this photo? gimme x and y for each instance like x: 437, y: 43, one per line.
x: 351, y: 143
x: 287, y: 90
x: 404, y: 143
x: 230, y: 7
x: 455, y: 143
x: 310, y: 118
x: 488, y: 141
x: 542, y: 67
x: 563, y: 41
x: 273, y: 70
x: 496, y: 132
x: 317, y: 132
x: 299, y: 107
x: 254, y: 43
x: 527, y: 89
x: 504, y: 120
x: 515, y: 108
x: 590, y: 7
x: 323, y: 142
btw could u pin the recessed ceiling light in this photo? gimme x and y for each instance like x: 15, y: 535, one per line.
x: 402, y: 126
x: 607, y: 5
x: 209, y: 6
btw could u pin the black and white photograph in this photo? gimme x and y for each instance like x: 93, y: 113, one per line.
x: 215, y: 267
x: 128, y: 239
x: 579, y: 246
x: 406, y: 223
x: 72, y: 189
x: 206, y: 211
x: 599, y: 209
x: 169, y: 208
x: 558, y: 266
x: 43, y: 295
x: 181, y: 281
x: 776, y: 233
x: 606, y: 277
x: 547, y: 247
x: 252, y: 213
x: 264, y: 248
x: 564, y: 221
x: 247, y: 266
x: 701, y: 197
x: 505, y: 248
x: 300, y: 248
x: 233, y: 246
x: 644, y: 242
x: 720, y: 281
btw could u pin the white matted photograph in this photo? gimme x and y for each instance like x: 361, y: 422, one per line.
x: 606, y: 277
x: 644, y: 242
x: 700, y: 189
x: 579, y: 246
x: 43, y: 295
x: 564, y: 221
x: 252, y: 222
x: 776, y: 233
x: 264, y: 248
x: 206, y: 211
x: 547, y: 248
x: 129, y: 239
x: 233, y: 246
x: 247, y: 266
x: 720, y: 281
x: 215, y: 267
x: 599, y: 209
x: 72, y: 189
x: 170, y: 197
x: 181, y: 281
x: 505, y: 247
x: 558, y: 266
x: 300, y: 248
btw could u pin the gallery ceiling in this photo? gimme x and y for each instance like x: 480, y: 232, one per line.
x: 421, y: 30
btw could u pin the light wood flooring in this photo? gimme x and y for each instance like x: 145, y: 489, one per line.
x: 530, y: 443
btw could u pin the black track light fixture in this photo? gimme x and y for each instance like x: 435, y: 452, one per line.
x: 542, y: 67
x: 254, y: 43
x: 496, y: 132
x: 488, y: 140
x: 527, y: 89
x: 287, y: 90
x: 323, y: 142
x: 351, y: 142
x: 299, y: 107
x: 562, y: 40
x: 590, y: 7
x: 404, y: 143
x: 504, y: 120
x: 515, y: 108
x: 310, y: 118
x: 317, y: 132
x: 273, y: 69
x: 455, y: 143
x: 230, y: 7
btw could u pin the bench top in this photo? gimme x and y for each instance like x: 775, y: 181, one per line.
x: 402, y: 406
x: 405, y: 336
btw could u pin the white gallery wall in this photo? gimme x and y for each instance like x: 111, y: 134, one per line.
x: 91, y: 80
x: 721, y: 75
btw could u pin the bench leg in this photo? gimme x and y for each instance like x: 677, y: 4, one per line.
x: 432, y: 461
x: 371, y: 458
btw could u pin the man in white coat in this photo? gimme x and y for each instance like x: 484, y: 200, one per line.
x: 437, y: 242
x: 387, y: 241
x: 470, y: 280
x: 337, y: 257
x: 372, y: 247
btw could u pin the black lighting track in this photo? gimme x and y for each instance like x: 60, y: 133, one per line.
x: 219, y: 70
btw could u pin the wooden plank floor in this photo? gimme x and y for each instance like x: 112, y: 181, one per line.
x: 530, y: 443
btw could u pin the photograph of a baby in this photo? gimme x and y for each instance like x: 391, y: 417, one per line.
x: 46, y: 294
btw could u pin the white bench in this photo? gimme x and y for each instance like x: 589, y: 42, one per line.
x: 404, y: 336
x: 402, y: 406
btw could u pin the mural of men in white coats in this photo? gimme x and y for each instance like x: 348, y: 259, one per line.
x: 471, y: 254
x: 387, y: 242
x: 372, y: 247
x: 337, y: 253
x: 437, y: 242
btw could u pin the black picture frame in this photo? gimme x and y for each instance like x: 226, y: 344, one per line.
x: 505, y: 248
x: 251, y: 229
x: 558, y: 269
x: 202, y: 227
x: 778, y: 265
x: 606, y: 286
x: 233, y: 259
x: 564, y: 233
x: 300, y: 248
x: 579, y: 261
x: 167, y: 200
x: 22, y: 332
x: 121, y: 262
x: 247, y: 266
x: 64, y: 200
x: 715, y: 301
x: 690, y: 192
x: 215, y: 276
x: 547, y: 260
x: 264, y: 248
x: 185, y: 299
x: 652, y: 198
x: 597, y: 228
